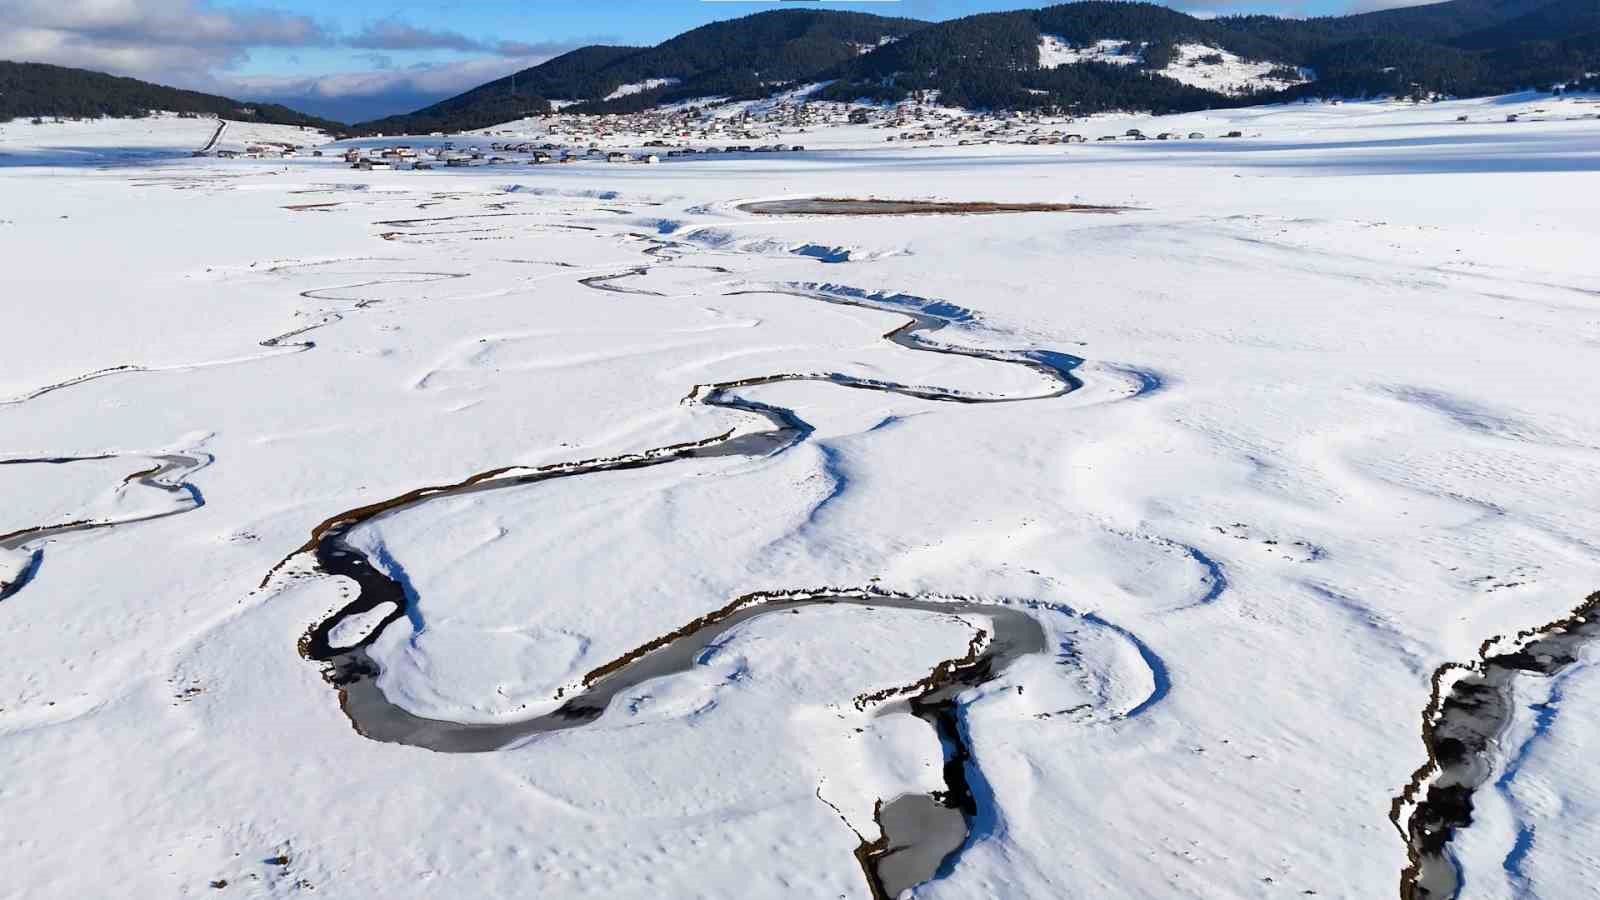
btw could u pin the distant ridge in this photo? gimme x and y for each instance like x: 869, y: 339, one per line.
x: 742, y: 58
x: 512, y: 97
x: 30, y: 90
x: 993, y: 60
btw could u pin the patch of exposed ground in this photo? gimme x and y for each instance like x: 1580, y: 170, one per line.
x: 836, y: 206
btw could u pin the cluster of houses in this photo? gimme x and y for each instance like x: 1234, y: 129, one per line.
x: 684, y: 126
x: 261, y: 151
x: 720, y: 127
x: 404, y: 156
x: 497, y: 153
x: 689, y: 128
x: 1038, y: 135
x: 711, y: 127
x: 737, y: 148
x: 921, y: 121
x: 1137, y: 135
x: 969, y: 128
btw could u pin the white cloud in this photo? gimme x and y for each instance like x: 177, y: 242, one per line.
x: 199, y: 45
x: 184, y: 42
x: 442, y: 79
x: 372, y: 94
x: 170, y: 23
x: 391, y: 34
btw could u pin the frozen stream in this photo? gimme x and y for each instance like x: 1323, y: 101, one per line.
x: 167, y: 476
x: 918, y: 833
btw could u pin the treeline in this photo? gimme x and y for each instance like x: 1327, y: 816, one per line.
x: 32, y: 90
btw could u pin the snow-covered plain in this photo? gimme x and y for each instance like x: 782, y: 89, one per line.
x: 155, y: 139
x: 1332, y: 433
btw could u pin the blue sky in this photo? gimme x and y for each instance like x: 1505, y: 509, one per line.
x: 645, y: 22
x: 366, y: 58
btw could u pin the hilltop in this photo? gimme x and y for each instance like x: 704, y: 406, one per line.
x: 743, y: 58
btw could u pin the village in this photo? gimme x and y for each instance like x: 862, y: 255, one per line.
x: 722, y: 127
x: 703, y: 129
x: 688, y: 130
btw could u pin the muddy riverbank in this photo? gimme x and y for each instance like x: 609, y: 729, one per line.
x: 1471, y: 707
x: 836, y: 206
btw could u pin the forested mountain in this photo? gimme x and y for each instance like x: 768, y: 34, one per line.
x: 744, y: 57
x: 513, y: 97
x: 993, y: 60
x: 37, y: 89
x: 1461, y: 47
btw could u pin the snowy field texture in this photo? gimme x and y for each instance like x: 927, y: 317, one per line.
x: 568, y: 531
x: 156, y: 139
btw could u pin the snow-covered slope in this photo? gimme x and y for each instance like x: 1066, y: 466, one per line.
x: 1218, y: 70
x: 1054, y: 51
x: 639, y: 87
